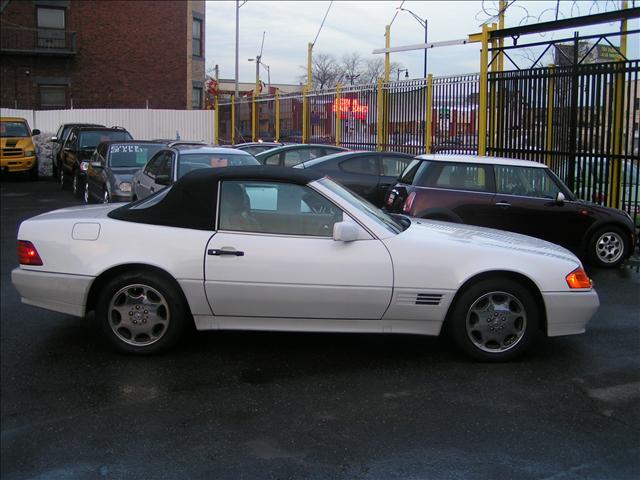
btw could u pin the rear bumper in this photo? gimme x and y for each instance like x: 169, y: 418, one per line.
x: 53, y: 291
x: 17, y: 164
x: 569, y: 312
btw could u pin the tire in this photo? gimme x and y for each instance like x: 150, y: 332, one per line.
x: 494, y: 320
x: 64, y: 181
x: 125, y: 301
x: 106, y: 198
x: 87, y: 195
x: 33, y: 173
x: 608, y: 247
x: 76, y: 188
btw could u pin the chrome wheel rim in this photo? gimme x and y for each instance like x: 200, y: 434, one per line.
x: 496, y: 322
x: 61, y: 177
x: 609, y: 247
x: 138, y: 315
x: 86, y: 193
x: 75, y: 184
x: 105, y: 197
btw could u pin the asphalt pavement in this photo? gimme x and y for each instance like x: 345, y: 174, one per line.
x: 250, y: 405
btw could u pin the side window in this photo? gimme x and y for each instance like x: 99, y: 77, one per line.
x: 410, y: 171
x: 273, y: 159
x: 394, y: 166
x: 166, y: 168
x: 360, y: 165
x: 462, y: 176
x: 525, y: 181
x: 72, y: 141
x: 276, y: 208
x: 154, y: 164
x: 294, y: 157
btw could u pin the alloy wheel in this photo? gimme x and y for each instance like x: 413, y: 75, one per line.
x: 609, y: 247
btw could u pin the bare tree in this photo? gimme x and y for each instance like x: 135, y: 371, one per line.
x: 325, y: 71
x: 351, y: 68
x: 374, y: 69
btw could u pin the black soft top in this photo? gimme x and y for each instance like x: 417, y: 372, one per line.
x: 191, y: 202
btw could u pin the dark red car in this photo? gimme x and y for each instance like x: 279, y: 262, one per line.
x: 515, y: 195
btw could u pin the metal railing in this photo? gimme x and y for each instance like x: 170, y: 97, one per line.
x: 37, y: 40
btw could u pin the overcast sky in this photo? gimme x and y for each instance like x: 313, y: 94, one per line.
x: 358, y: 26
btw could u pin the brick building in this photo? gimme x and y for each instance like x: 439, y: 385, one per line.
x: 57, y: 54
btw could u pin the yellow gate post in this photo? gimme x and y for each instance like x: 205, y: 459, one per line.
x: 482, y: 107
x: 493, y: 108
x: 216, y: 121
x: 550, y: 95
x: 254, y: 136
x: 277, y: 139
x: 380, y: 117
x: 338, y: 114
x: 428, y: 115
x: 305, y: 107
x: 618, y: 121
x: 233, y: 120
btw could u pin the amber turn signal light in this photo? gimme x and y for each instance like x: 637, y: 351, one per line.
x: 27, y: 253
x: 578, y: 279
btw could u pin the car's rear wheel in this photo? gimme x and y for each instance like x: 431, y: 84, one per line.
x: 75, y: 184
x: 141, y: 313
x: 495, y: 319
x: 608, y: 247
x: 105, y: 196
x: 87, y: 194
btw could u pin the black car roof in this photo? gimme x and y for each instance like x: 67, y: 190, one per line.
x: 89, y: 129
x: 191, y: 202
x: 351, y: 154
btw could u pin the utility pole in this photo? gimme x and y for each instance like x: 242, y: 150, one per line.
x: 237, y: 43
x: 387, y: 55
x: 309, y: 66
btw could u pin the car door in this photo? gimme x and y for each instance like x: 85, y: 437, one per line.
x: 391, y: 167
x: 274, y: 256
x: 145, y: 180
x: 361, y: 174
x: 69, y: 151
x: 94, y: 174
x: 525, y: 203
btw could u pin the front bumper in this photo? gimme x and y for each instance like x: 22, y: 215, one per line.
x: 53, y: 291
x: 17, y: 164
x: 569, y: 312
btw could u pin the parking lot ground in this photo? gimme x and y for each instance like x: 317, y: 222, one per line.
x: 238, y: 405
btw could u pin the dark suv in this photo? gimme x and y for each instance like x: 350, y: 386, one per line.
x: 58, y: 141
x: 515, y: 195
x: 77, y: 151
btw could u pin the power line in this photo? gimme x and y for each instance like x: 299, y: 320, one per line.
x: 322, y: 24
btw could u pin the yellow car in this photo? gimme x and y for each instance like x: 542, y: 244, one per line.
x: 17, y: 151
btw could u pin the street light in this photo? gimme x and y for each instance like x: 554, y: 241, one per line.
x: 424, y: 24
x: 238, y: 5
x: 406, y: 73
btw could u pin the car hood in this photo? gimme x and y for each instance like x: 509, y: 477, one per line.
x: 488, y: 238
x: 16, y: 142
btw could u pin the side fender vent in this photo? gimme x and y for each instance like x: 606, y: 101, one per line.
x: 428, y: 299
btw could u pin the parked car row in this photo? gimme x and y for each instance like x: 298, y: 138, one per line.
x: 525, y: 197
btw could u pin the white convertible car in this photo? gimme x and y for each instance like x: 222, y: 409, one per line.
x: 267, y: 248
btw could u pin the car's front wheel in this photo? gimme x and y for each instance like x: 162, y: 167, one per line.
x: 141, y: 313
x: 105, y: 196
x: 87, y: 194
x: 608, y: 247
x: 75, y: 184
x: 495, y: 319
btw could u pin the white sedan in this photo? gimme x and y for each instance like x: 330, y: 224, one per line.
x: 268, y: 248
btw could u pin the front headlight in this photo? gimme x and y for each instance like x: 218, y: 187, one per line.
x: 29, y: 153
x: 84, y: 166
x: 124, y: 187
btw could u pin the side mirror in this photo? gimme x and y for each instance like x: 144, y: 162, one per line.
x: 163, y: 180
x: 96, y: 165
x: 560, y: 198
x: 34, y: 132
x: 345, y: 232
x: 54, y: 139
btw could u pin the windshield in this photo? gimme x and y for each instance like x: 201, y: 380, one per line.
x: 123, y: 156
x: 13, y: 129
x: 195, y: 161
x: 92, y: 139
x: 370, y: 210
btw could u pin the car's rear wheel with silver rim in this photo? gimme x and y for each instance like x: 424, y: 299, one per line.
x: 87, y: 195
x: 608, y: 247
x: 495, y: 319
x: 142, y: 313
x: 105, y: 196
x: 63, y: 179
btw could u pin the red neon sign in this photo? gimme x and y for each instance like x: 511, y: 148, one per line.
x: 350, y: 105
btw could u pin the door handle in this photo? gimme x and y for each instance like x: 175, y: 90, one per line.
x: 503, y: 204
x: 218, y: 252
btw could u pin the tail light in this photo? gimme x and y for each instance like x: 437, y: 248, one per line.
x: 408, y: 203
x: 27, y: 253
x: 578, y: 279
